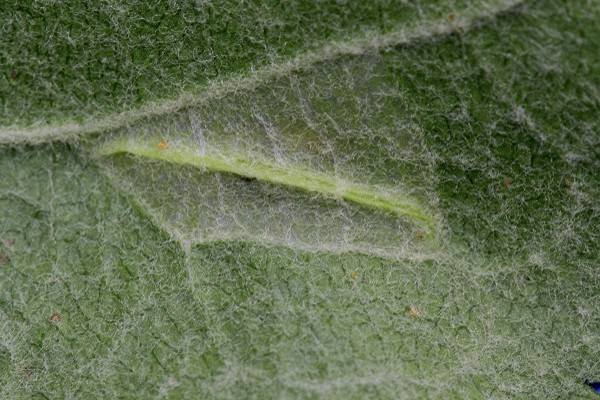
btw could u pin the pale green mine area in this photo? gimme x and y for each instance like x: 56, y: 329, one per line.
x: 288, y: 176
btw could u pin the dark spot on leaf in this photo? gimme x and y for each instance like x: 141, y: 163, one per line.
x: 39, y: 214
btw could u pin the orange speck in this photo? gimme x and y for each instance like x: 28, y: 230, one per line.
x: 353, y: 274
x: 163, y: 145
x: 413, y: 312
x: 451, y: 17
x: 55, y: 318
x: 419, y: 235
x: 507, y: 182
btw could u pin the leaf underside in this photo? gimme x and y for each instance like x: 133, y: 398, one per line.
x: 368, y: 200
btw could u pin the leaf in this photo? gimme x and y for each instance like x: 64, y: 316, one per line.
x: 262, y: 218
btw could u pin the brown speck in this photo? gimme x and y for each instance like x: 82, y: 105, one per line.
x: 9, y: 242
x: 28, y: 372
x: 568, y: 181
x: 4, y: 257
x: 14, y: 74
x: 55, y: 318
x: 507, y: 182
x: 451, y: 17
x: 353, y: 274
x: 419, y: 235
x: 413, y: 312
x: 163, y: 145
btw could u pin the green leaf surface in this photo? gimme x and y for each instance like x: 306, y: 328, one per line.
x: 392, y: 199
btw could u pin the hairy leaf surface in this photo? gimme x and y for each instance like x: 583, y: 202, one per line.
x: 389, y: 199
